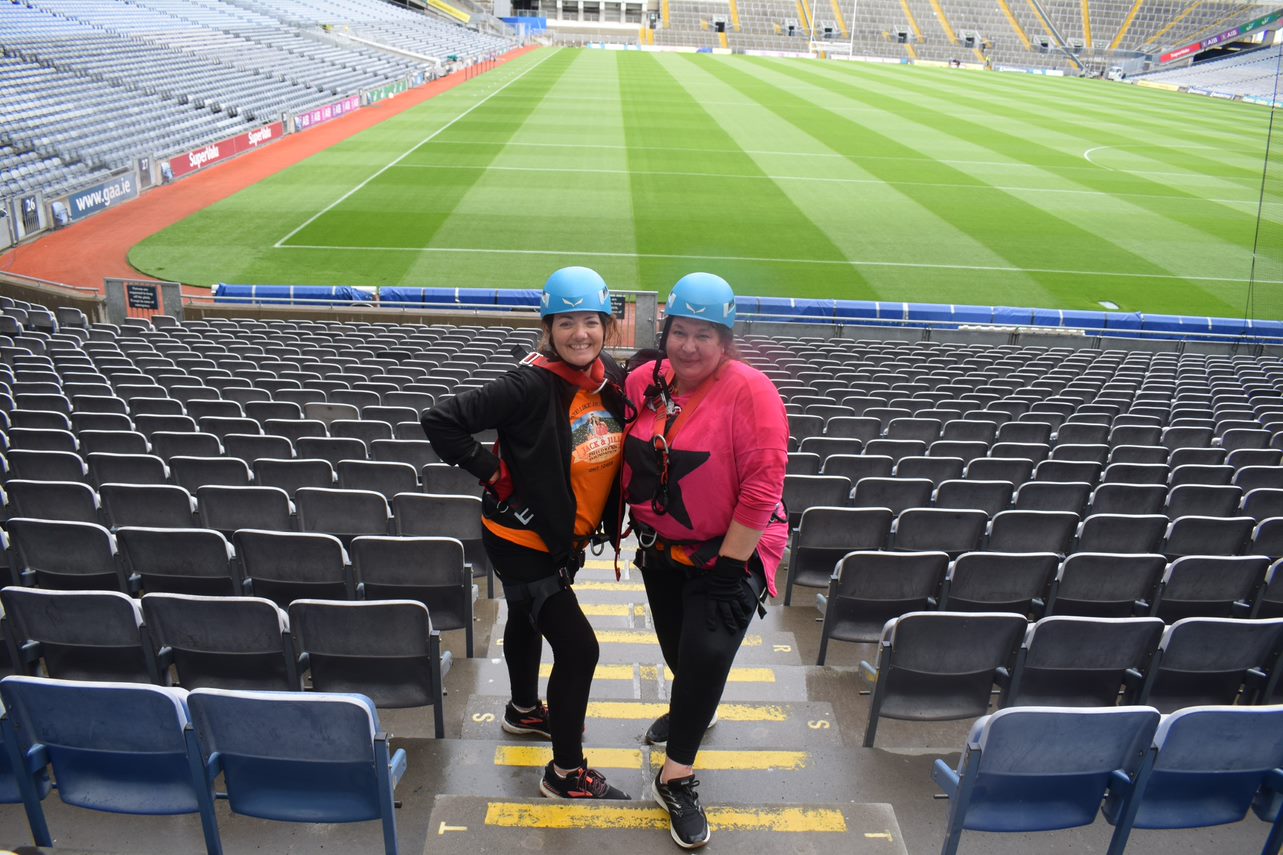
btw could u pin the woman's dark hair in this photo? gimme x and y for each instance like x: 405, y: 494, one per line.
x: 610, y: 335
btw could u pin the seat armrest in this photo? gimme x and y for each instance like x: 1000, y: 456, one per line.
x: 945, y: 778
x: 869, y: 673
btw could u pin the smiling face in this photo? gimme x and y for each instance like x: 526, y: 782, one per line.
x: 577, y: 337
x: 695, y: 349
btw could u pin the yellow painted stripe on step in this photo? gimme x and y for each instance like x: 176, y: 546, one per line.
x: 604, y: 815
x: 737, y: 675
x: 600, y: 758
x: 1015, y: 25
x: 648, y: 712
x: 645, y: 636
x: 603, y: 672
x: 619, y: 587
x: 944, y: 22
x: 613, y: 610
x: 1127, y: 25
x: 913, y: 24
x: 740, y: 761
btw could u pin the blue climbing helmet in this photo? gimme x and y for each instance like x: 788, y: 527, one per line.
x: 703, y: 297
x: 574, y: 289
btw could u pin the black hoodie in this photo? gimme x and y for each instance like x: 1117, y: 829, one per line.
x: 530, y: 409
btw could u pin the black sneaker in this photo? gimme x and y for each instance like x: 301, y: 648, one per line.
x: 583, y: 783
x: 686, y: 820
x: 534, y: 722
x: 657, y: 733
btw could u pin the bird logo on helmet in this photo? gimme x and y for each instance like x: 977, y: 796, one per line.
x: 704, y: 297
x: 574, y: 289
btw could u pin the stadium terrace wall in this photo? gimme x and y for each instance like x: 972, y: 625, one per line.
x: 839, y: 318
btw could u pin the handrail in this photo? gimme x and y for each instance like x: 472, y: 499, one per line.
x: 24, y: 279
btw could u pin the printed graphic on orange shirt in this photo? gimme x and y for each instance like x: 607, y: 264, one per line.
x: 595, y: 435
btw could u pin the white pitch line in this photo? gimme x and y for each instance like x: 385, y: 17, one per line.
x: 1006, y: 164
x: 279, y: 244
x: 820, y: 179
x: 767, y: 260
x: 1088, y: 153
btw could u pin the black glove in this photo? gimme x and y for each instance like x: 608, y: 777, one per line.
x: 724, y: 599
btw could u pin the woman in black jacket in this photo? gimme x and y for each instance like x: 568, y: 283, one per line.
x: 551, y: 481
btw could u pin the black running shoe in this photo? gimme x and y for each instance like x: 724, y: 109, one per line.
x: 686, y: 820
x: 657, y: 733
x: 583, y: 783
x: 534, y: 722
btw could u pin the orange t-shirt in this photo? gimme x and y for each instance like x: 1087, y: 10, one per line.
x: 596, y: 438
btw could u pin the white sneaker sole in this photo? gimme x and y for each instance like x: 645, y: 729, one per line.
x: 672, y: 832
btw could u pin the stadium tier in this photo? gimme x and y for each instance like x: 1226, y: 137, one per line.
x: 1251, y: 74
x: 90, y: 87
x: 1020, y: 33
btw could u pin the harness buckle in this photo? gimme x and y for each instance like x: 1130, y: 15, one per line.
x: 647, y: 537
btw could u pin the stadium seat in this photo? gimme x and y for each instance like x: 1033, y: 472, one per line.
x: 1041, y: 769
x: 155, y: 505
x: 1211, y: 661
x: 293, y: 475
x: 72, y: 501
x: 436, y: 515
x: 115, y: 747
x: 869, y: 588
x: 1209, y: 586
x: 1208, y: 766
x: 276, y: 765
x: 81, y: 635
x: 386, y: 650
x: 223, y: 642
x: 925, y: 529
x: 1082, y: 662
x: 999, y: 582
x: 939, y: 666
x: 1068, y: 496
x: 285, y: 566
x: 1031, y: 531
x: 180, y: 560
x: 824, y: 535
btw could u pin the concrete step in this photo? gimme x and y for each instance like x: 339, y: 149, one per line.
x: 641, y: 646
x: 463, y: 825
x: 626, y: 681
x: 741, y: 725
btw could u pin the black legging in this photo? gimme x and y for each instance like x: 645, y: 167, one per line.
x: 699, y: 657
x: 574, y: 648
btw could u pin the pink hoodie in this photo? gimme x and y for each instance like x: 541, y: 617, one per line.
x: 736, y: 444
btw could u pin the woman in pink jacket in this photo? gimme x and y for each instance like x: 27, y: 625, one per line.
x: 703, y: 476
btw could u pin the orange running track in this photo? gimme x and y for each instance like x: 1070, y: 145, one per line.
x: 84, y: 253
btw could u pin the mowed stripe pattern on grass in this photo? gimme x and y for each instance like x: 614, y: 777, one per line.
x: 789, y: 177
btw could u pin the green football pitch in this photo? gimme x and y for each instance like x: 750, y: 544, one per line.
x: 790, y: 178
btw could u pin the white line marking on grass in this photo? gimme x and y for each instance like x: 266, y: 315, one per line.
x: 756, y: 152
x: 767, y: 260
x: 279, y: 244
x: 1005, y: 164
x: 820, y: 179
x: 1088, y: 153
